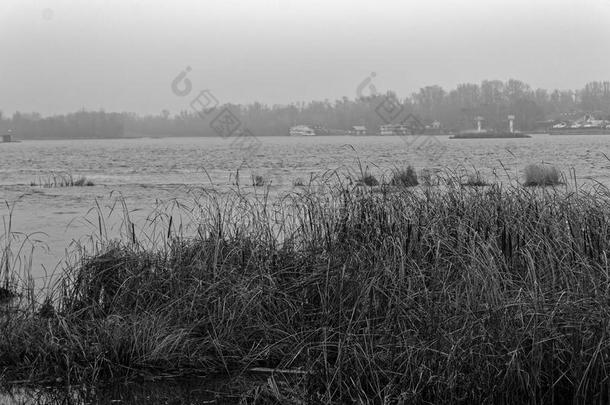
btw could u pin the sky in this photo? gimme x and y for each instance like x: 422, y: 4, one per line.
x: 59, y: 56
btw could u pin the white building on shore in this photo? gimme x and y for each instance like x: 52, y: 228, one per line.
x: 302, y: 130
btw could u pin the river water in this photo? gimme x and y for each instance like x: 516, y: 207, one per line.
x: 147, y: 172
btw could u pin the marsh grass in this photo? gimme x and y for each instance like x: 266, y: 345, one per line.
x: 258, y: 181
x: 429, y: 178
x: 542, y: 175
x: 446, y: 295
x: 475, y: 179
x: 6, y: 294
x: 364, y: 177
x: 15, y: 260
x: 406, y: 177
x: 61, y: 180
x: 367, y: 179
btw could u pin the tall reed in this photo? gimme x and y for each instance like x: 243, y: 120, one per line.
x: 437, y: 295
x: 61, y: 180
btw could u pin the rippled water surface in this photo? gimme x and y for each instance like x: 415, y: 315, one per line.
x: 146, y: 171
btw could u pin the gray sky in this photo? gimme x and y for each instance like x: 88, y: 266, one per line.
x: 58, y: 56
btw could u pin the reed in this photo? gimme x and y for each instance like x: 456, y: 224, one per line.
x: 542, y: 175
x: 61, y: 180
x: 258, y: 181
x: 367, y: 179
x: 475, y: 179
x: 406, y: 177
x: 445, y: 295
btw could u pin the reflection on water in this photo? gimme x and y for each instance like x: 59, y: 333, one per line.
x: 146, y: 171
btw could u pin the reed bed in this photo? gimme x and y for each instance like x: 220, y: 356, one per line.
x: 258, y: 181
x: 436, y: 295
x: 61, y: 180
x: 368, y: 180
x: 475, y: 179
x: 406, y: 177
x: 542, y: 175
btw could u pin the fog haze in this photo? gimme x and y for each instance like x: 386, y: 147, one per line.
x: 60, y: 56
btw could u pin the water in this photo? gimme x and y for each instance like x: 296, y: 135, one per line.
x: 146, y: 172
x: 165, y: 392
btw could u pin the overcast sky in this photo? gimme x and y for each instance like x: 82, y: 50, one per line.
x: 58, y: 56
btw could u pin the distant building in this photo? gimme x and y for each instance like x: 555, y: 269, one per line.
x: 302, y: 130
x: 359, y: 130
x: 435, y: 128
x: 395, y: 129
x: 587, y: 121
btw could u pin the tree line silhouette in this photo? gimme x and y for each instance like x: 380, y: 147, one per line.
x: 455, y: 110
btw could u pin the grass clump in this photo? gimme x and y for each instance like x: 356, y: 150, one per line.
x: 298, y: 182
x: 62, y: 180
x: 429, y: 177
x: 258, y: 181
x: 541, y: 175
x: 451, y: 295
x: 367, y: 179
x: 6, y: 294
x: 475, y: 180
x: 404, y: 177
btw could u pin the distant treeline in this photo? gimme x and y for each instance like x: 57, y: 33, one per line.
x: 81, y: 124
x: 456, y: 109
